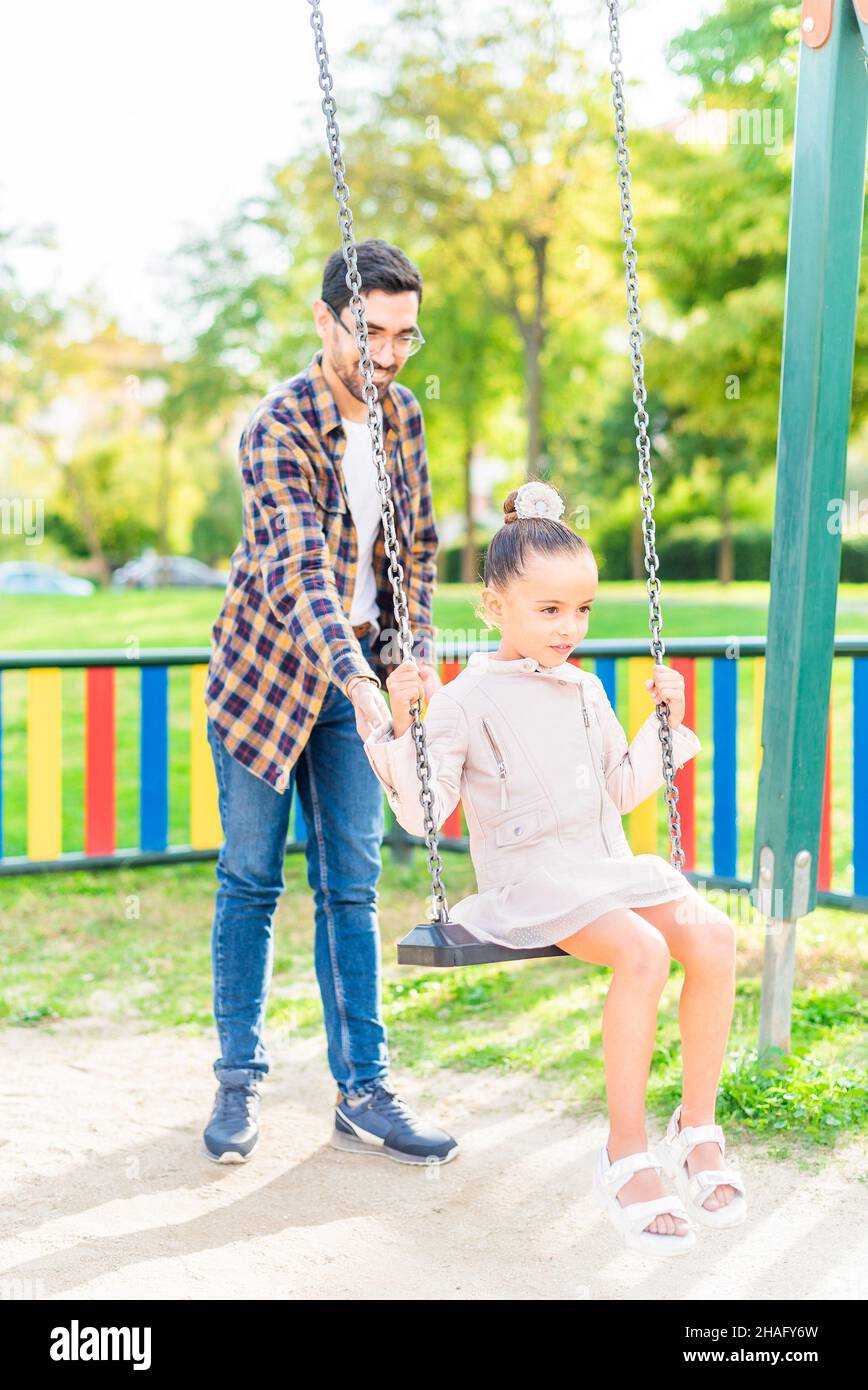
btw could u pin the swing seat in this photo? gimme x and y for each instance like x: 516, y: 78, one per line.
x: 448, y: 943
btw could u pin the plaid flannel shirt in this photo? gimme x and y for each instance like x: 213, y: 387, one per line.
x: 283, y: 632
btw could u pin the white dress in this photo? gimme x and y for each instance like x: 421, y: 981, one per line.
x: 545, y: 772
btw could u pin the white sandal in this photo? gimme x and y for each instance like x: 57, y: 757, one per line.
x: 631, y: 1219
x: 673, y: 1152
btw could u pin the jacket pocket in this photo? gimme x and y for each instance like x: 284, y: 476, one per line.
x: 520, y: 827
x: 499, y: 760
x: 597, y: 735
x: 594, y: 728
x: 594, y: 731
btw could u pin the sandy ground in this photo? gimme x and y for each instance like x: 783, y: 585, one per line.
x: 106, y: 1194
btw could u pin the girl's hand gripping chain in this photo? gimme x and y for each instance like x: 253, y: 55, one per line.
x: 667, y: 687
x: 409, y: 682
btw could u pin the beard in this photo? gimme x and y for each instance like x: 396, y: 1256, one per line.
x: 349, y: 373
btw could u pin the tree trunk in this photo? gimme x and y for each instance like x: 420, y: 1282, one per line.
x: 532, y: 333
x: 468, y: 554
x: 89, y: 526
x: 535, y: 462
x: 164, y: 489
x: 726, y: 557
x: 536, y: 451
x: 85, y: 513
x: 637, y: 550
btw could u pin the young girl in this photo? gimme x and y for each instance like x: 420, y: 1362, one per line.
x: 531, y: 745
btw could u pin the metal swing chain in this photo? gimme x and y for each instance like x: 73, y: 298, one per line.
x: 439, y: 906
x: 643, y: 442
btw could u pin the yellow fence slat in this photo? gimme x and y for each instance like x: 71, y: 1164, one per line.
x: 44, y: 763
x: 642, y: 822
x: 205, y: 829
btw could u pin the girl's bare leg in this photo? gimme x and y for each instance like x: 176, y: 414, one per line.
x: 702, y: 939
x: 639, y: 958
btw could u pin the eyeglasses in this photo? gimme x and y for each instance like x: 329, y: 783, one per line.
x: 403, y: 344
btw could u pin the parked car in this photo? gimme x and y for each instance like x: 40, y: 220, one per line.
x: 152, y: 571
x: 28, y: 577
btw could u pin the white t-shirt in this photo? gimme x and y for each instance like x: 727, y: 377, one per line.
x: 360, y: 476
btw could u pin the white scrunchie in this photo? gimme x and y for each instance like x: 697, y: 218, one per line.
x: 539, y: 499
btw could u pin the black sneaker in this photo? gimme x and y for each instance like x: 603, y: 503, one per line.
x: 232, y: 1132
x: 377, y: 1122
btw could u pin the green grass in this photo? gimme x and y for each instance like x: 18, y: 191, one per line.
x: 135, y: 944
x: 110, y: 618
x: 183, y: 617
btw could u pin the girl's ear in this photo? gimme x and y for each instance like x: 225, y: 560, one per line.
x: 489, y: 617
x: 484, y: 617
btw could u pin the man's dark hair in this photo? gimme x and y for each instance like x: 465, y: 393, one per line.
x: 381, y: 267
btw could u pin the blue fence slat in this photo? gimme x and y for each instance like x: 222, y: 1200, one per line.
x: 724, y: 835
x: 604, y: 667
x: 154, y: 759
x: 860, y: 775
x: 299, y: 827
x: 1, y: 764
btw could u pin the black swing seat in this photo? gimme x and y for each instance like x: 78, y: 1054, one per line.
x: 448, y: 943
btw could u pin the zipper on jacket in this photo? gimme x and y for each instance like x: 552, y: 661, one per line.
x: 501, y: 765
x: 595, y: 761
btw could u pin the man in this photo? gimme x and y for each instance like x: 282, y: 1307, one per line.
x: 294, y: 686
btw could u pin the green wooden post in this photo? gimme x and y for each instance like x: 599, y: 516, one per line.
x: 401, y: 841
x: 826, y: 213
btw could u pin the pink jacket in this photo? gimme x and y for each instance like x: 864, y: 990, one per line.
x: 542, y: 767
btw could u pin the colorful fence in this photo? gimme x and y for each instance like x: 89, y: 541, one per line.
x: 67, y: 764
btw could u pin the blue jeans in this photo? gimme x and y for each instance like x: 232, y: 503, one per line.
x: 342, y: 804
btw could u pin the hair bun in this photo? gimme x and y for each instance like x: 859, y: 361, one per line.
x: 533, y: 499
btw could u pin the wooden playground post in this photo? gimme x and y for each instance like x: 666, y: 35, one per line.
x: 826, y: 214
